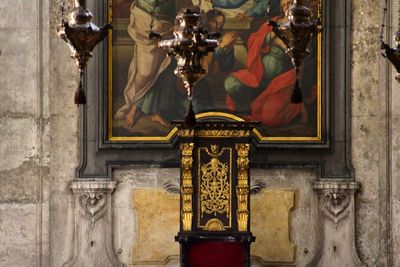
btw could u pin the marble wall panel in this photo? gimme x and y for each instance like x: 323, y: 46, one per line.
x: 157, y: 222
x: 305, y: 216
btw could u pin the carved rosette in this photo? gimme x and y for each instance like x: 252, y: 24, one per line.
x: 187, y: 185
x: 242, y: 190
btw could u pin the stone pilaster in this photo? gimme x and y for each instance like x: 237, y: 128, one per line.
x: 337, y: 232
x: 93, y: 224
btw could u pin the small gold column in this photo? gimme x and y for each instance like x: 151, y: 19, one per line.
x: 187, y: 185
x: 242, y: 190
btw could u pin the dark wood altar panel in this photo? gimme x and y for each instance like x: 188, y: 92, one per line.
x: 329, y: 154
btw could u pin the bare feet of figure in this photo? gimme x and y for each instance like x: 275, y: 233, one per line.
x: 157, y: 118
x: 131, y: 117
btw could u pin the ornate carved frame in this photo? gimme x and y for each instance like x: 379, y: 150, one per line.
x: 330, y: 156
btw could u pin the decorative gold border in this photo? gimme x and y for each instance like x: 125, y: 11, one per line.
x: 173, y: 131
x: 199, y: 185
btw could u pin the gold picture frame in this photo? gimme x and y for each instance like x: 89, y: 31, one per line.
x: 258, y: 133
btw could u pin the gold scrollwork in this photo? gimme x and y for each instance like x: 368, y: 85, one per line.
x: 214, y: 225
x: 186, y: 133
x: 223, y: 133
x: 242, y: 190
x: 215, y: 188
x: 187, y: 185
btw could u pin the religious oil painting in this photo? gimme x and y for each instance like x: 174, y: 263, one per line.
x: 249, y: 75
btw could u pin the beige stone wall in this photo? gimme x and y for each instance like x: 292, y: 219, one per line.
x: 373, y: 123
x: 39, y: 149
x: 368, y: 131
x: 25, y: 128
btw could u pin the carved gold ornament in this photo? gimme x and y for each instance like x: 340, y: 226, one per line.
x: 187, y: 185
x: 186, y: 133
x: 214, y: 133
x: 214, y: 225
x: 215, y: 188
x: 242, y: 189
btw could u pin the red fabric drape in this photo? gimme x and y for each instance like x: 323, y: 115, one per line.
x: 272, y: 107
x: 215, y: 254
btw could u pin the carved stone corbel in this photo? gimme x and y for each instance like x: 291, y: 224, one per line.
x: 93, y: 224
x: 337, y: 231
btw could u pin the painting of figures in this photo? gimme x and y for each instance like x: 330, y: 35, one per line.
x: 249, y: 76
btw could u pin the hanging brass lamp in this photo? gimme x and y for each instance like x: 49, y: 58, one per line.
x: 190, y: 45
x: 82, y: 35
x: 296, y: 34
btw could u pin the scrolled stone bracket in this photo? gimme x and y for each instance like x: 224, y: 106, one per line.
x: 93, y: 205
x: 335, y: 197
x: 336, y: 224
x: 93, y: 224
